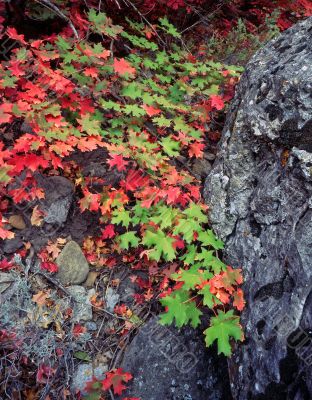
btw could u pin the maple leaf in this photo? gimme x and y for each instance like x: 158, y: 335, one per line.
x: 90, y: 201
x: 208, y: 238
x: 121, y: 217
x: 108, y: 232
x: 5, y: 234
x: 209, y: 299
x: 181, y: 309
x: 151, y: 111
x: 5, y: 264
x: 192, y: 277
x: 196, y: 150
x: 30, y: 161
x: 115, y: 379
x: 12, y: 33
x: 118, y: 161
x: 239, y: 301
x: 6, y: 113
x: 122, y: 67
x: 40, y: 298
x: 49, y: 266
x: 37, y: 216
x: 223, y: 327
x: 128, y: 239
x: 161, y: 244
x: 217, y: 102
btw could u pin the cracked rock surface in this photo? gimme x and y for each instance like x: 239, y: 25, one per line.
x: 260, y: 197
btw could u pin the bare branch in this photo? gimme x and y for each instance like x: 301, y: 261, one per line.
x: 53, y: 7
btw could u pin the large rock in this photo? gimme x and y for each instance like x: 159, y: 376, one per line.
x: 73, y: 267
x: 168, y: 364
x: 260, y: 198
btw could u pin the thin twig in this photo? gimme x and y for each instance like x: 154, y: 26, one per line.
x: 53, y: 7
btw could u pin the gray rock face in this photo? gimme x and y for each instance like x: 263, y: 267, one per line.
x: 168, y: 364
x: 260, y: 197
x: 72, y: 264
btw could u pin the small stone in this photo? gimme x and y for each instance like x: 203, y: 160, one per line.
x: 111, y: 299
x: 17, y: 222
x: 72, y: 264
x: 82, y: 307
x: 91, y: 326
x: 85, y: 373
x: 201, y: 167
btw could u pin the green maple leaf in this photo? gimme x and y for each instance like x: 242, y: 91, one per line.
x: 121, y: 217
x: 62, y: 44
x: 110, y: 105
x: 208, y: 238
x: 132, y: 90
x: 223, y: 327
x: 164, y: 216
x: 148, y: 63
x: 128, y: 239
x: 192, y: 277
x: 170, y: 147
x: 169, y: 28
x: 187, y: 227
x: 4, y: 177
x: 196, y: 211
x: 190, y: 254
x: 161, y: 245
x: 181, y: 309
x: 90, y: 126
x: 135, y: 110
x: 209, y: 299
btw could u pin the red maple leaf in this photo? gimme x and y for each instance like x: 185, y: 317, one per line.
x: 196, y: 150
x: 5, y: 113
x: 123, y: 67
x: 239, y: 301
x: 49, y: 266
x: 134, y: 180
x: 30, y: 161
x: 116, y: 379
x: 118, y: 161
x: 108, y: 232
x: 151, y: 111
x: 12, y: 33
x: 91, y: 71
x: 5, y: 264
x: 217, y: 102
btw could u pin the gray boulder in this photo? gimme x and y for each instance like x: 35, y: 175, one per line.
x: 168, y: 364
x: 260, y: 196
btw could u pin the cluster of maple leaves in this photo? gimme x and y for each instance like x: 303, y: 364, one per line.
x: 144, y: 109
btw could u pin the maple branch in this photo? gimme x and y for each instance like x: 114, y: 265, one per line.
x: 53, y: 7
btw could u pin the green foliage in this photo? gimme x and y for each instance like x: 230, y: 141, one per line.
x: 223, y: 327
x: 146, y: 108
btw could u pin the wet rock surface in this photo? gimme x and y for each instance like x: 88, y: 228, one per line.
x: 169, y: 364
x: 260, y: 197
